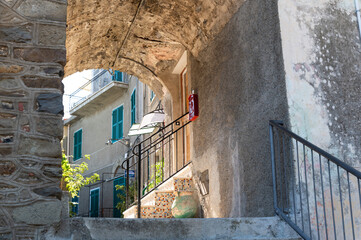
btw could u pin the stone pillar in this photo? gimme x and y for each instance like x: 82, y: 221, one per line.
x: 32, y: 57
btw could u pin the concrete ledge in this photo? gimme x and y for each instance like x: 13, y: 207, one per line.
x: 196, y: 228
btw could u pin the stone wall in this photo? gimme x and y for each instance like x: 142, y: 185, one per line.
x: 240, y: 82
x: 32, y: 56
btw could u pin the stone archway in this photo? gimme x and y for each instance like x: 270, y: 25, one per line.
x: 144, y: 38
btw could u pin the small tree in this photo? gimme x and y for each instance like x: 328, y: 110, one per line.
x: 73, y: 177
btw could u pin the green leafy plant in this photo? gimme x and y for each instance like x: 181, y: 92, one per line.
x: 73, y: 175
x: 159, y: 174
x: 73, y: 179
x: 121, y: 205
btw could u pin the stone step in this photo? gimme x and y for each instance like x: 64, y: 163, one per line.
x: 271, y: 228
x: 158, y: 203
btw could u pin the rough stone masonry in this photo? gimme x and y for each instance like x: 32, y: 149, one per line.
x: 32, y: 57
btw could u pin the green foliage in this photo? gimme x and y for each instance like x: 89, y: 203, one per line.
x: 122, y: 196
x: 72, y: 175
x: 158, y: 175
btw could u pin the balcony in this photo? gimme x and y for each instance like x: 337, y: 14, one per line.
x: 101, y: 90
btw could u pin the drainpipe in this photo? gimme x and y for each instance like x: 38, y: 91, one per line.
x: 358, y: 16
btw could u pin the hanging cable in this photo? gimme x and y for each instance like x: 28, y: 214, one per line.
x: 128, y: 32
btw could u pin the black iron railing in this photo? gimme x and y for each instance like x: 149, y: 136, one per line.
x: 155, y: 160
x: 314, y: 192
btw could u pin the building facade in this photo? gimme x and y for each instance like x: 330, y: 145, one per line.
x: 102, y: 114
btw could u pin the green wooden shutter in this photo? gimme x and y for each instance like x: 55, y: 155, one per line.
x: 121, y: 182
x: 114, y: 126
x: 80, y: 135
x: 94, y: 203
x: 77, y: 144
x: 118, y: 76
x: 120, y: 122
x: 75, y: 151
x: 132, y: 108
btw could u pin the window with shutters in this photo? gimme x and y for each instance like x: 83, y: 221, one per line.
x: 118, y: 76
x: 117, y: 124
x: 78, y: 135
x: 132, y: 108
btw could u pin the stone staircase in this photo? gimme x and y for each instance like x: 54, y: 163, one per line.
x: 158, y: 203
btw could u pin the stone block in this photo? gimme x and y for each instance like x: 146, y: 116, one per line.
x: 52, y: 170
x: 11, y: 197
x: 7, y: 121
x: 50, y: 126
x: 48, y: 10
x: 7, y: 138
x: 16, y: 34
x: 3, y: 51
x: 39, y: 213
x: 8, y: 16
x: 8, y: 82
x: 9, y: 2
x: 24, y: 195
x: 7, y: 187
x: 10, y: 68
x: 25, y: 128
x: 41, y: 55
x: 28, y: 163
x: 7, y: 105
x: 39, y: 147
x: 6, y: 150
x: 22, y: 106
x: 52, y: 35
x: 54, y: 71
x: 42, y: 82
x: 49, y: 192
x: 7, y: 168
x: 28, y: 178
x: 7, y: 124
x: 50, y: 102
x: 6, y: 236
x: 13, y: 93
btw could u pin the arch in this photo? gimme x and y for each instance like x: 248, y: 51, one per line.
x: 143, y: 38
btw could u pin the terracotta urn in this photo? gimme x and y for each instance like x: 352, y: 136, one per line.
x: 184, y: 206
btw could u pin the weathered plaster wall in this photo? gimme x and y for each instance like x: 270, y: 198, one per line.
x: 32, y: 56
x: 322, y: 53
x: 239, y: 79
